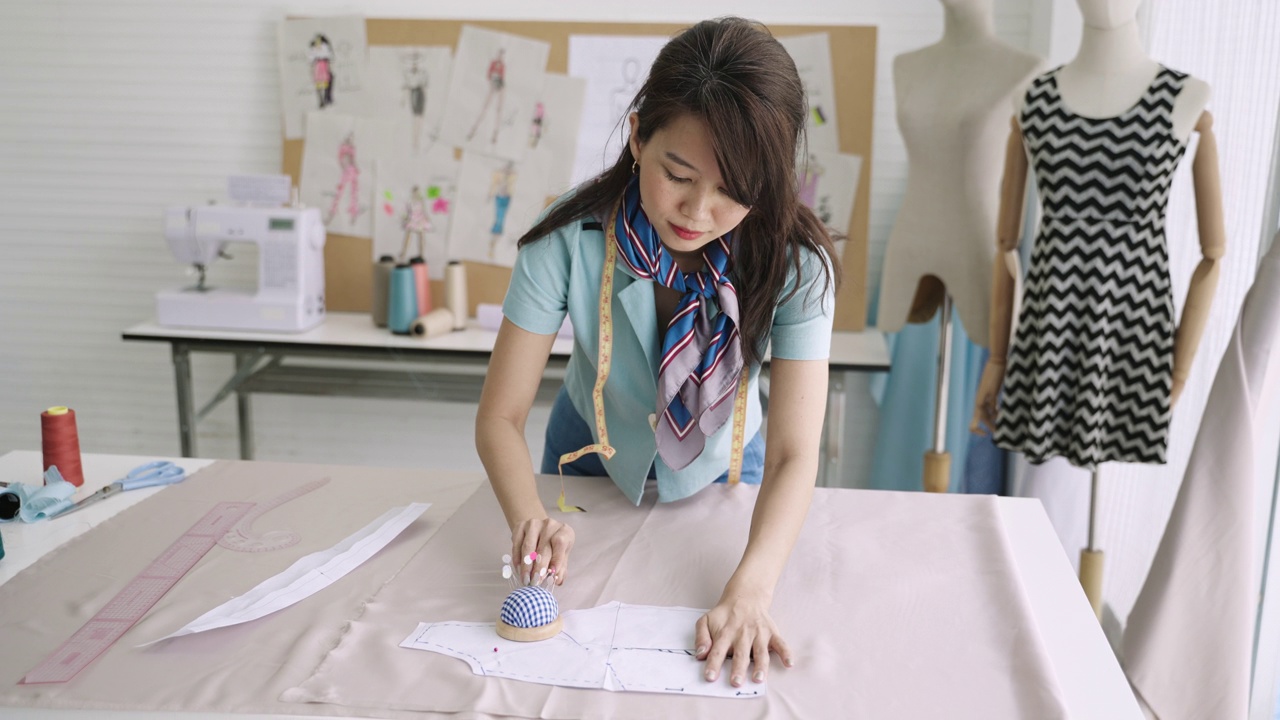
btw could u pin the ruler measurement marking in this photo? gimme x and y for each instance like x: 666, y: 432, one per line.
x: 137, y: 597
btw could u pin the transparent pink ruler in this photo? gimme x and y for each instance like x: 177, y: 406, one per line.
x: 142, y: 592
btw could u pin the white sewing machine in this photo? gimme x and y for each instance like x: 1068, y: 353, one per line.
x: 290, y: 295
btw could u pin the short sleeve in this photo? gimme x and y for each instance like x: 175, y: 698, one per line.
x: 537, y: 298
x: 802, y: 323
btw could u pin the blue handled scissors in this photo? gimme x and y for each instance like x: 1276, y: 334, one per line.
x: 158, y: 472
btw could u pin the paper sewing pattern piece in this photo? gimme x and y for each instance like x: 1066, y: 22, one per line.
x: 617, y: 647
x: 307, y: 576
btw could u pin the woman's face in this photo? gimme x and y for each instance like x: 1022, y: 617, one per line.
x: 681, y: 189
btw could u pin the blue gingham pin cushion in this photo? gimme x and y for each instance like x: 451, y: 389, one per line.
x: 529, y: 613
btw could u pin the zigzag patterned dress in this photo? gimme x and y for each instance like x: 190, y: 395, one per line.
x: 1090, y: 369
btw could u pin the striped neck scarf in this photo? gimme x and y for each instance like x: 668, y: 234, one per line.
x: 701, y: 355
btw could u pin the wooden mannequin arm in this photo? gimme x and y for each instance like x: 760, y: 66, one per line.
x: 1213, y: 245
x: 1008, y: 235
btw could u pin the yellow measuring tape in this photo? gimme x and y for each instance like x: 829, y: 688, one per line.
x: 604, y: 361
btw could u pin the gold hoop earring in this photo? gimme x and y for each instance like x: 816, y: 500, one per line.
x: 635, y: 166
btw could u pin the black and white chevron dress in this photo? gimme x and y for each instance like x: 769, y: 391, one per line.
x: 1090, y: 369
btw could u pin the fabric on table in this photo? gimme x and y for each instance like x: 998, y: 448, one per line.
x: 212, y: 672
x: 895, y: 604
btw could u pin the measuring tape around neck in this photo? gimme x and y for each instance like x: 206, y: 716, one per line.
x: 604, y: 360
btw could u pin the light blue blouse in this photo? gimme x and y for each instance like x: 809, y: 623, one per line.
x: 560, y: 274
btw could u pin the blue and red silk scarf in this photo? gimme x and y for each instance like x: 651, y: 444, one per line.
x: 701, y: 355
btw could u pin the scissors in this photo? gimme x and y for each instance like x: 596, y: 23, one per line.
x: 158, y: 472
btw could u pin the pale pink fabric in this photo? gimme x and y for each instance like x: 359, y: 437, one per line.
x: 896, y: 605
x: 238, y: 669
x: 1189, y: 639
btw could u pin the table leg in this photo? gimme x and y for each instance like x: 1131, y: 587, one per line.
x: 186, y: 408
x: 831, y: 472
x: 244, y: 411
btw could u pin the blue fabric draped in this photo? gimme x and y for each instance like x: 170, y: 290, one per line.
x: 906, y: 396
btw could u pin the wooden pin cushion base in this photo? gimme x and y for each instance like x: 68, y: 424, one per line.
x: 533, y: 634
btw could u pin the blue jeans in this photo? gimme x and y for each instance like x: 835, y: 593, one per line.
x: 567, y: 431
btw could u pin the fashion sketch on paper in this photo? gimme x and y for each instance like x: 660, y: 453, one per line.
x: 320, y: 54
x: 497, y: 79
x: 349, y: 181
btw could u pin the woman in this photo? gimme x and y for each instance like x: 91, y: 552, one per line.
x: 714, y: 257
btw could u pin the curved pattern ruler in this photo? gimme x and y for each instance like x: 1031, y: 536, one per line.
x: 139, y: 596
x: 241, y: 537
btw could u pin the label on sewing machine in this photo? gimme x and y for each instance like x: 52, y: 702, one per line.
x: 260, y: 189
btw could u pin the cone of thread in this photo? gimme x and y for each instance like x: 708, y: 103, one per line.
x: 61, y: 443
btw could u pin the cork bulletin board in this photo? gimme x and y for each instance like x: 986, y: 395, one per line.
x: 348, y: 275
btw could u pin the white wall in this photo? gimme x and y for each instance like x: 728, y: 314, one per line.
x: 112, y: 109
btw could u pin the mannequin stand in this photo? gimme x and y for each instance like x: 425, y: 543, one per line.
x: 937, y: 462
x: 1091, y: 559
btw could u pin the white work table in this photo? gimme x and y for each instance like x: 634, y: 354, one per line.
x: 1055, y: 623
x: 334, y: 359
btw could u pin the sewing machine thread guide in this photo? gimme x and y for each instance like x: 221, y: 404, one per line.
x: 137, y: 597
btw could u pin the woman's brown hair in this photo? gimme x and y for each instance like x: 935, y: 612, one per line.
x: 740, y: 81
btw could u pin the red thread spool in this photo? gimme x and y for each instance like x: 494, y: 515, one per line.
x: 62, y: 443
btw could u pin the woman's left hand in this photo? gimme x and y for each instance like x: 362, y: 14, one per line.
x: 739, y: 625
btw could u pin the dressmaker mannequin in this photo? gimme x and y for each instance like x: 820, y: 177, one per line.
x: 950, y: 97
x: 1108, y: 79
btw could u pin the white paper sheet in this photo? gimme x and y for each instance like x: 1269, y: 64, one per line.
x: 498, y: 200
x: 828, y: 184
x: 494, y: 84
x: 409, y: 84
x: 812, y: 55
x: 554, y: 129
x: 337, y: 168
x: 414, y: 204
x: 308, y: 575
x: 618, y: 647
x: 322, y: 66
x: 614, y: 67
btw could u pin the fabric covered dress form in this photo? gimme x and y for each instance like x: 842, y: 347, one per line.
x: 1090, y: 368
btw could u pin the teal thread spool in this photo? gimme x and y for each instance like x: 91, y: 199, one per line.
x: 402, y: 306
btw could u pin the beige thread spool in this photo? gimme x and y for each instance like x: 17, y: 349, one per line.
x: 382, y: 288
x: 436, y: 322
x: 455, y: 290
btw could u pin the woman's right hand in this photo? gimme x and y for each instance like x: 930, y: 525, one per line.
x: 551, y: 539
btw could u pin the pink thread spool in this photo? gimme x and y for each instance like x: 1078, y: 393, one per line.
x: 422, y: 282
